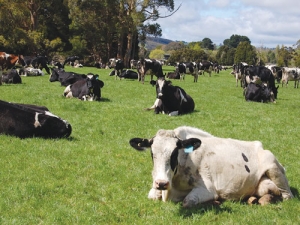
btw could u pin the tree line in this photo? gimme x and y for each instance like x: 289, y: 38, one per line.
x: 97, y: 30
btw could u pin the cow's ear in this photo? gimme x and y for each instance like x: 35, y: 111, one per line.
x: 140, y: 144
x: 169, y: 82
x: 189, y: 145
x: 153, y: 82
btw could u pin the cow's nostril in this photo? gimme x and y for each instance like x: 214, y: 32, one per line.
x: 162, y: 185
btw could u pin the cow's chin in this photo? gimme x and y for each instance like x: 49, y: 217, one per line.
x: 156, y: 194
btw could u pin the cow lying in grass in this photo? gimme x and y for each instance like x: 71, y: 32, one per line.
x: 195, y: 167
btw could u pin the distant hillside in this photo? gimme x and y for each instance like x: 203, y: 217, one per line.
x: 152, y: 42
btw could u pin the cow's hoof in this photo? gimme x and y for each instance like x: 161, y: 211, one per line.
x: 252, y: 200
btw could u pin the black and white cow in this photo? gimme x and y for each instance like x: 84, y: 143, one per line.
x: 129, y: 74
x: 11, y: 77
x: 23, y: 120
x: 238, y: 72
x: 88, y: 89
x: 290, y: 74
x: 257, y: 74
x: 171, y: 100
x: 188, y: 68
x: 65, y: 78
x: 40, y: 62
x: 118, y: 66
x: 173, y: 75
x: 276, y: 71
x: 205, y: 66
x: 259, y: 93
x: 195, y: 167
x: 71, y: 59
x: 149, y: 66
x: 133, y: 64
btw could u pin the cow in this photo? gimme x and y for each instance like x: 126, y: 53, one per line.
x: 8, y: 61
x: 188, y: 68
x: 238, y: 72
x: 71, y: 59
x: 11, y: 77
x: 205, y: 66
x: 173, y: 75
x: 30, y: 71
x: 171, y: 100
x: 195, y: 167
x: 133, y: 64
x: 262, y: 74
x: 88, y: 89
x: 290, y: 74
x: 129, y: 74
x: 259, y: 93
x: 276, y: 71
x: 40, y: 62
x: 65, y: 78
x: 117, y: 65
x: 149, y: 66
x: 25, y: 120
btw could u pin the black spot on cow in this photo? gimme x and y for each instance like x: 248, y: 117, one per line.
x: 245, y: 157
x: 247, y: 168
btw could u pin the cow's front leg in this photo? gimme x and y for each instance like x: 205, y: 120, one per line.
x: 197, y: 196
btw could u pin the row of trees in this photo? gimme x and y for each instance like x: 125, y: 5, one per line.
x: 97, y: 30
x: 235, y: 49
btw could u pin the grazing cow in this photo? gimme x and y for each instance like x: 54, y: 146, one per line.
x: 264, y: 75
x: 171, y: 100
x: 40, y: 62
x: 188, y: 68
x: 193, y: 166
x: 290, y: 74
x: 65, y: 78
x: 133, y: 64
x: 22, y: 120
x: 149, y: 66
x: 11, y: 77
x: 88, y: 89
x: 259, y: 93
x: 71, y: 59
x: 205, y: 66
x: 8, y: 61
x: 173, y: 75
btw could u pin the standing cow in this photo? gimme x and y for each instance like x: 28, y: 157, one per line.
x: 149, y: 66
x: 193, y: 166
x: 188, y: 68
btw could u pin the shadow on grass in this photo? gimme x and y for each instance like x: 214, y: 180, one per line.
x: 295, y: 192
x: 203, y: 208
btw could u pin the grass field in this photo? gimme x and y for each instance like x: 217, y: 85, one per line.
x: 95, y: 177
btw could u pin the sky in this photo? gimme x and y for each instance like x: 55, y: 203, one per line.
x: 267, y: 23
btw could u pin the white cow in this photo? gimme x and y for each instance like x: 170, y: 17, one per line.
x: 196, y: 167
x: 290, y: 74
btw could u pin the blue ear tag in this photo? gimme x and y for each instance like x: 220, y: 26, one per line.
x: 188, y: 149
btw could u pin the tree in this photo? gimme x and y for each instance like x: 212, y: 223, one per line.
x: 156, y: 54
x: 245, y: 53
x: 207, y: 44
x: 235, y: 39
x: 225, y: 55
x: 188, y: 55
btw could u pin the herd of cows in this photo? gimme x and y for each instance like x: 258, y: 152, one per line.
x: 190, y: 165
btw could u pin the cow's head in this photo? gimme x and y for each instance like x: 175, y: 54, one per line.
x: 166, y: 149
x: 94, y: 85
x: 161, y: 84
x: 54, y: 75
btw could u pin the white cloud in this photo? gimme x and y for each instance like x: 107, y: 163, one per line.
x: 264, y: 22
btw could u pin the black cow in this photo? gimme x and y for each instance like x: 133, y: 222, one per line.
x: 171, y: 100
x: 22, y: 120
x: 87, y: 89
x: 65, y: 78
x: 150, y: 66
x: 264, y: 75
x: 11, y: 77
x: 259, y: 93
x: 40, y: 62
x: 205, y: 66
x: 71, y: 59
x: 188, y: 68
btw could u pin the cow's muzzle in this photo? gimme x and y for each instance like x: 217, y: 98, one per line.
x: 161, y: 185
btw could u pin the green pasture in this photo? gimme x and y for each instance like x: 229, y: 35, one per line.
x: 95, y: 177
